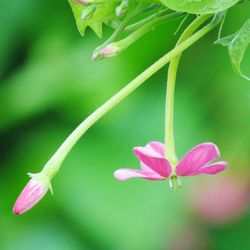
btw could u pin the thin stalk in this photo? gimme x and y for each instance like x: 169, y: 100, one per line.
x: 126, y: 42
x: 137, y: 25
x: 172, y: 71
x: 124, y: 23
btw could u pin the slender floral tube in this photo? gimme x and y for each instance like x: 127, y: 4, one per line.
x: 54, y: 164
x: 169, y: 109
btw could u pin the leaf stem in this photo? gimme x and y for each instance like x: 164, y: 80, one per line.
x: 116, y: 48
x: 124, y: 23
x: 135, y: 26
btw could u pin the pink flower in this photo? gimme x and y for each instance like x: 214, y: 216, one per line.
x: 32, y: 193
x: 155, y: 166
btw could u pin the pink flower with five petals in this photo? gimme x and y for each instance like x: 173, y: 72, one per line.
x: 155, y: 166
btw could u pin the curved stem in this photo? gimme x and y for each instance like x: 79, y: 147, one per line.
x: 53, y: 165
x: 133, y: 27
x: 172, y: 71
x: 124, y: 23
x: 126, y: 42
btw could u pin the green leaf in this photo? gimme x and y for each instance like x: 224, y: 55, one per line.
x: 199, y: 6
x: 237, y: 45
x: 104, y: 12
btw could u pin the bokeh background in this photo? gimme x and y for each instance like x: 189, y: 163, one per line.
x: 48, y: 85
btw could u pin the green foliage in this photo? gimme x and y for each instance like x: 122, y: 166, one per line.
x: 237, y: 44
x: 104, y: 12
x: 199, y: 7
x: 45, y: 93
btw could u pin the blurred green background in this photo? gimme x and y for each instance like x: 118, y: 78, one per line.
x: 48, y: 85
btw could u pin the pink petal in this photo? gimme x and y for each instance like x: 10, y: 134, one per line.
x: 153, y: 157
x: 196, y: 158
x: 157, y: 147
x: 211, y: 169
x: 126, y: 173
x: 146, y: 168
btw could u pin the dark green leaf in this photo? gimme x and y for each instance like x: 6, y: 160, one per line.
x: 104, y: 13
x: 199, y: 6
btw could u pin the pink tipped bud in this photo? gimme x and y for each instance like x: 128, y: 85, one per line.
x: 109, y: 50
x: 122, y: 8
x: 85, y: 2
x: 32, y: 193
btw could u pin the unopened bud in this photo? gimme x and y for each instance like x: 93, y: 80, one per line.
x: 122, y: 8
x: 32, y: 193
x: 108, y: 50
x: 88, y: 12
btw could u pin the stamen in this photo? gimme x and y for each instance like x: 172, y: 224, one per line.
x: 175, y: 182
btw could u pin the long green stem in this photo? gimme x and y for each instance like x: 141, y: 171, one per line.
x: 53, y: 165
x: 169, y: 109
x: 172, y: 71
